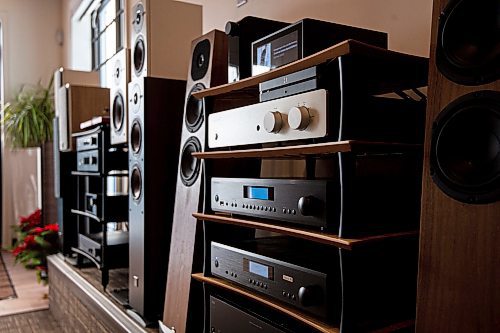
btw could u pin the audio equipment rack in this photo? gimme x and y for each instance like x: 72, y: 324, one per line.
x: 398, y: 72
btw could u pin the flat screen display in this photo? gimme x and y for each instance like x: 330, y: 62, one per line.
x: 258, y: 192
x: 259, y: 269
x: 276, y: 52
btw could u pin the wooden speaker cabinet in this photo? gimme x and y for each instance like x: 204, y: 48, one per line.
x: 207, y: 68
x: 459, y: 269
x: 160, y: 35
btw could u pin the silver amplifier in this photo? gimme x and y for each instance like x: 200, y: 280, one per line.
x: 297, y: 117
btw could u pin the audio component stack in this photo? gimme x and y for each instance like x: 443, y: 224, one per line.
x: 460, y: 230
x: 343, y: 250
x: 160, y: 35
x: 64, y: 159
x: 101, y: 201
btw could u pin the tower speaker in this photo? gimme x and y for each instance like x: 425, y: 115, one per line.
x: 160, y: 35
x: 118, y: 75
x: 154, y: 127
x: 460, y: 222
x: 208, y: 67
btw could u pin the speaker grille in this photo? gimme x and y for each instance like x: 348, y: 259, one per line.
x: 194, y: 110
x: 468, y: 50
x: 139, y: 55
x: 118, y: 110
x: 465, y: 152
x: 190, y: 166
x: 200, y: 60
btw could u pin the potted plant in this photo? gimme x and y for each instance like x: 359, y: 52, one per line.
x: 28, y: 120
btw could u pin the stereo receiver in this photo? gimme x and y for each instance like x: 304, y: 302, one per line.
x: 272, y: 267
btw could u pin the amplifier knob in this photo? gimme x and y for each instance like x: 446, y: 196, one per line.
x: 307, y: 205
x: 273, y: 122
x: 310, y: 296
x: 299, y: 118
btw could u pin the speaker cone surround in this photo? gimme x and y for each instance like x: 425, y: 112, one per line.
x: 190, y: 166
x: 200, y: 60
x: 139, y: 55
x: 136, y: 183
x: 194, y: 110
x: 136, y: 137
x: 465, y: 151
x: 118, y: 112
x: 468, y: 49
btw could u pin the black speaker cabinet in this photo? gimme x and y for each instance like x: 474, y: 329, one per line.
x: 208, y: 67
x: 118, y: 76
x: 459, y: 275
x: 159, y: 37
x: 155, y: 120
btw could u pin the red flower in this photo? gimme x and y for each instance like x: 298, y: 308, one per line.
x: 52, y: 227
x: 36, y: 231
x: 29, y: 240
x: 20, y: 248
x: 41, y: 268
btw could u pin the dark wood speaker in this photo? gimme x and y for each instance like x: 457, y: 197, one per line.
x: 459, y: 270
x: 154, y: 132
x: 208, y: 67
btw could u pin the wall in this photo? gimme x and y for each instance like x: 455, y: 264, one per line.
x: 31, y: 53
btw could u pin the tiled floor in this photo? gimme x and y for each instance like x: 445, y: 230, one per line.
x: 31, y: 296
x: 31, y: 322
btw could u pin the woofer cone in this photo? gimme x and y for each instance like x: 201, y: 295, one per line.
x: 190, y: 166
x: 136, y: 183
x: 118, y: 112
x: 194, y: 109
x: 465, y: 151
x: 139, y: 55
x: 136, y: 137
x: 468, y: 49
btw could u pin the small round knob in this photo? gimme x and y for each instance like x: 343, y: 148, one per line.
x: 310, y: 296
x: 273, y: 122
x: 299, y: 118
x: 306, y: 205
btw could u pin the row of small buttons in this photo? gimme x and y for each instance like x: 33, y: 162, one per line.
x: 257, y: 283
x: 264, y: 208
x: 232, y: 274
x: 289, y: 211
x: 289, y: 295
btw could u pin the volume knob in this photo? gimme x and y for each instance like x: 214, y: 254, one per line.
x: 310, y: 296
x: 273, y: 122
x: 299, y: 118
x: 306, y: 205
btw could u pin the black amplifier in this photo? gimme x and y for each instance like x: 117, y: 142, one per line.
x: 94, y: 153
x: 364, y: 194
x: 284, y: 269
x: 227, y: 318
x: 291, y: 200
x: 116, y: 241
x: 304, y: 38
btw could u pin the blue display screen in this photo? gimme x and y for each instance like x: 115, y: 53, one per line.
x: 259, y: 269
x: 258, y: 192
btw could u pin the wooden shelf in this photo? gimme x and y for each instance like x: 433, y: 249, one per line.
x: 344, y: 48
x: 316, y: 236
x: 305, y: 319
x: 301, y: 151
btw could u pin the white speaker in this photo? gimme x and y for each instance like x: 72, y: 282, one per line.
x: 118, y: 77
x: 160, y: 37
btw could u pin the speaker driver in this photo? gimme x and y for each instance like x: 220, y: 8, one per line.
x: 194, y: 110
x: 200, y: 60
x: 139, y: 55
x: 468, y: 50
x: 136, y: 183
x: 138, y: 21
x: 465, y: 151
x: 118, y: 112
x: 190, y: 166
x: 136, y: 137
